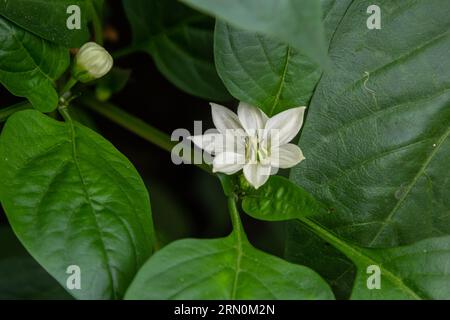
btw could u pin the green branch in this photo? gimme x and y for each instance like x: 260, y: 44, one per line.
x: 136, y: 126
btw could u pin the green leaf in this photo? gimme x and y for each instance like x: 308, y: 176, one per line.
x: 8, y: 111
x: 180, y: 41
x: 418, y: 271
x: 268, y: 73
x: 281, y: 200
x: 302, y: 246
x: 263, y: 72
x: 377, y: 133
x: 295, y: 22
x: 223, y: 269
x: 48, y: 19
x: 29, y: 65
x: 280, y: 196
x: 68, y: 187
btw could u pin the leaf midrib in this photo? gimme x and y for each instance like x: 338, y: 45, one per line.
x: 282, y: 81
x: 354, y: 253
x: 72, y: 137
x: 412, y: 184
x: 357, y: 256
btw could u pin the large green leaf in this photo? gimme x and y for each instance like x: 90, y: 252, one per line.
x: 376, y: 139
x: 48, y: 19
x: 228, y: 268
x: 29, y: 65
x: 263, y: 72
x: 296, y: 22
x: 418, y: 271
x: 73, y: 199
x: 180, y: 40
x: 268, y: 73
x: 302, y: 246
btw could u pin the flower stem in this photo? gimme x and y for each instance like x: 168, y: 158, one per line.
x: 238, y: 228
x: 68, y: 86
x: 136, y: 126
x: 240, y: 240
x: 8, y: 111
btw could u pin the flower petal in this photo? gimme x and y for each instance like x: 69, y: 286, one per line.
x: 228, y: 162
x: 257, y: 174
x: 286, y: 156
x: 251, y: 118
x: 285, y: 126
x: 224, y: 119
x: 215, y: 143
x: 209, y: 142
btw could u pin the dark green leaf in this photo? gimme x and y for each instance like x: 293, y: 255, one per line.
x: 29, y: 65
x: 296, y: 22
x: 280, y: 197
x: 376, y: 137
x: 48, y: 19
x: 223, y: 269
x: 180, y: 41
x: 263, y: 72
x: 266, y: 72
x: 281, y: 200
x: 306, y: 248
x: 68, y: 187
x: 418, y: 271
x: 8, y: 111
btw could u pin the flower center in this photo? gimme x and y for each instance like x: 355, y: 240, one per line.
x: 255, y: 151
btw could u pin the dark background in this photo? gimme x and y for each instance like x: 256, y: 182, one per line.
x: 186, y: 202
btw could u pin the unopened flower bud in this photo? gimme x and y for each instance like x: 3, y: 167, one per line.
x: 91, y: 62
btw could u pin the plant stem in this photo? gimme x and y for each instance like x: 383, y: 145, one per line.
x: 240, y: 238
x: 238, y: 228
x: 65, y: 113
x: 136, y: 126
x: 69, y: 85
x: 8, y: 111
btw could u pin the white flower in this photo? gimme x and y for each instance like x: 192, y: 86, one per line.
x: 253, y: 142
x: 92, y: 62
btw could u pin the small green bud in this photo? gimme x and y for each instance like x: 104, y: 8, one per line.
x: 91, y: 62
